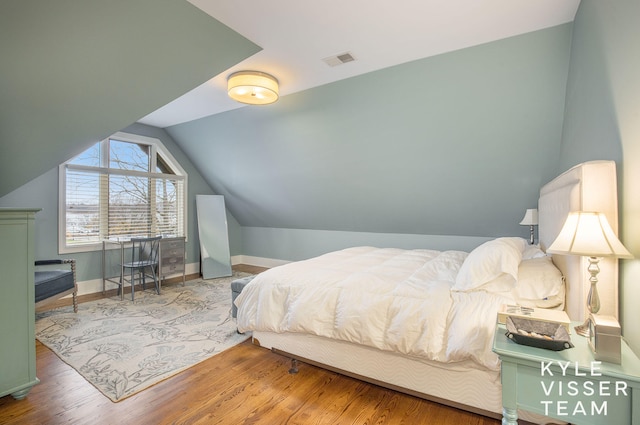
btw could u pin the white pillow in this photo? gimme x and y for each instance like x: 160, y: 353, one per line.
x: 532, y: 251
x: 538, y: 279
x: 493, y: 266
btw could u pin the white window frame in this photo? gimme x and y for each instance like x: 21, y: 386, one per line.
x: 157, y: 148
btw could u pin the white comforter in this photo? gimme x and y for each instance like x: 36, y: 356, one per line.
x: 391, y: 299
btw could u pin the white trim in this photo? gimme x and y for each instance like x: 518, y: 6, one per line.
x: 62, y: 216
x: 158, y: 148
x: 94, y: 286
x: 134, y: 138
x: 257, y: 261
x: 118, y: 172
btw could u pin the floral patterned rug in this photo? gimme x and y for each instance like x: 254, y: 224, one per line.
x: 123, y: 347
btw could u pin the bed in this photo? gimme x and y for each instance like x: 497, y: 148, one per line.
x: 422, y: 321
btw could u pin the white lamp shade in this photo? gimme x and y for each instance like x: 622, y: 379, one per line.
x: 588, y: 234
x: 252, y: 87
x: 530, y: 218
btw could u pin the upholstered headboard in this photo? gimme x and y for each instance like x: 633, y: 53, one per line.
x: 590, y: 186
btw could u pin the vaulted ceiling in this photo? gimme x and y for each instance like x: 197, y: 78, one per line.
x: 455, y: 144
x: 385, y: 143
x: 296, y: 36
x: 75, y: 71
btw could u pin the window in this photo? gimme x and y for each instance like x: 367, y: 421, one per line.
x: 122, y: 187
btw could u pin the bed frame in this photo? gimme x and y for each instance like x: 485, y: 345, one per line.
x: 588, y: 186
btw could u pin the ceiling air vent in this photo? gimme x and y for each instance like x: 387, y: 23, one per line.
x: 339, y: 59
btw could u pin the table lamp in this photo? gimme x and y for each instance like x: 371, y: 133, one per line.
x: 589, y: 234
x: 530, y: 219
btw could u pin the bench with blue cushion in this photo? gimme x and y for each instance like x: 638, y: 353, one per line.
x: 236, y: 287
x: 51, y: 285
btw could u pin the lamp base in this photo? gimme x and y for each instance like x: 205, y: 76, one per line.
x: 583, y: 329
x: 593, y: 299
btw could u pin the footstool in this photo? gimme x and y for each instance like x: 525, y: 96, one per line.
x: 236, y: 287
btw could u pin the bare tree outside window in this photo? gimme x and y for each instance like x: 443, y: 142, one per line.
x: 122, y: 189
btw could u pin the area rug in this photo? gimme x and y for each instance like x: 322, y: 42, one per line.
x: 123, y: 347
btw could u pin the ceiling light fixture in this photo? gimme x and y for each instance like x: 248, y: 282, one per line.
x: 252, y: 87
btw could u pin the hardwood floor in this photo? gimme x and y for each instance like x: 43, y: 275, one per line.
x: 246, y: 384
x: 243, y: 385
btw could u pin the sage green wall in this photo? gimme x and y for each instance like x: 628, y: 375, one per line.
x: 300, y: 244
x: 197, y: 186
x: 75, y: 71
x: 42, y: 192
x: 602, y: 121
x: 453, y: 145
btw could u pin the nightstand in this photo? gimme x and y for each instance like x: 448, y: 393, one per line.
x: 568, y: 385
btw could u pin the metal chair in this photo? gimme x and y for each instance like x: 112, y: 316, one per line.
x: 144, y: 255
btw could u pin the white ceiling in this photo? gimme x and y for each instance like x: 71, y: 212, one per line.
x: 296, y: 35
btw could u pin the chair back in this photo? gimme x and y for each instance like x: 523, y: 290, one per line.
x: 145, y: 250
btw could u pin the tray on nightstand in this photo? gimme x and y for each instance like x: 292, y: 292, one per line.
x: 537, y: 333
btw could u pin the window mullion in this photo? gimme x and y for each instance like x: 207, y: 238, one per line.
x: 104, y: 153
x: 152, y: 190
x: 153, y: 158
x: 126, y: 202
x: 104, y: 206
x: 153, y: 206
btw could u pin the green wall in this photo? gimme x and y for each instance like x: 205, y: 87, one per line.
x: 602, y: 121
x: 301, y: 244
x: 75, y: 71
x: 42, y: 192
x: 453, y: 145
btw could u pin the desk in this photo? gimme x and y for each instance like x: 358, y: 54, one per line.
x: 171, y: 257
x: 121, y: 244
x: 585, y: 392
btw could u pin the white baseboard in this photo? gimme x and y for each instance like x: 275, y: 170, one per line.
x: 95, y: 285
x: 257, y: 261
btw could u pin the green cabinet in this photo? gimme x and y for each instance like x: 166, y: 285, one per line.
x: 17, y: 315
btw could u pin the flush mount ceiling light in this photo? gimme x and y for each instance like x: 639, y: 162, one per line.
x: 252, y: 87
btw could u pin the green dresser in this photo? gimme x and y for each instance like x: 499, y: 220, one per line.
x: 17, y: 316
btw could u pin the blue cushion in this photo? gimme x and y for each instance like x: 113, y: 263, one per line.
x: 239, y: 284
x: 52, y: 282
x: 236, y: 287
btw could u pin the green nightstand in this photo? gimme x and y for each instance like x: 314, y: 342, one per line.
x: 568, y: 385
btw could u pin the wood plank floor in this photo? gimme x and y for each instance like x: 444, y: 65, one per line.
x: 243, y: 385
x: 246, y: 384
